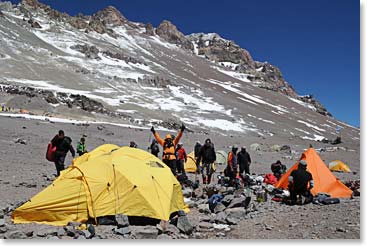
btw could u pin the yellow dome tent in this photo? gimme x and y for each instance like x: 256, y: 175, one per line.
x: 190, y: 164
x: 339, y: 166
x: 106, y: 181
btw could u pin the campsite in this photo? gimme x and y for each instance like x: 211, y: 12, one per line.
x: 27, y: 173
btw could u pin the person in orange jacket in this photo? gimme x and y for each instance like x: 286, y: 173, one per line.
x: 169, y: 147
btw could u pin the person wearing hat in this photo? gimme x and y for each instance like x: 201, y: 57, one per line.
x: 197, y: 148
x: 81, y: 149
x: 231, y: 169
x: 207, y: 156
x: 244, y: 161
x: 181, y: 158
x: 169, y: 146
x: 300, y: 182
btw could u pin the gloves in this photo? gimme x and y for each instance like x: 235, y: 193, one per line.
x: 152, y: 130
x: 183, y: 127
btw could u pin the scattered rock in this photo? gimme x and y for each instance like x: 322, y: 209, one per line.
x: 219, y: 208
x: 205, y: 218
x: 204, y: 208
x: 122, y: 231
x: 146, y: 232
x: 15, y: 235
x: 184, y: 225
x: 340, y: 229
x: 205, y: 225
x: 2, y: 222
x: 3, y: 229
x: 1, y: 213
x: 227, y: 199
x: 238, y: 202
x: 220, y: 234
x: 275, y: 148
x: 221, y: 218
x: 164, y: 237
x: 122, y: 220
x: 20, y: 141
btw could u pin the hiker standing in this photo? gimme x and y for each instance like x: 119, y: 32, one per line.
x: 231, y: 170
x: 169, y: 147
x: 81, y: 148
x: 244, y: 161
x: 300, y: 182
x: 181, y: 158
x: 207, y: 157
x: 196, y: 155
x: 63, y: 146
x: 154, y: 148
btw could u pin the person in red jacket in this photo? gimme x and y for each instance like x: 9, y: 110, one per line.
x: 169, y: 147
x: 181, y: 158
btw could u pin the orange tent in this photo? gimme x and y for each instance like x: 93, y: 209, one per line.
x: 324, y: 180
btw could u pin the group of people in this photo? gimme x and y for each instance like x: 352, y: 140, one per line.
x: 238, y: 164
x: 63, y: 145
x: 300, y: 181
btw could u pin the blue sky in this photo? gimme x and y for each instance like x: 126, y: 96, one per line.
x: 315, y: 43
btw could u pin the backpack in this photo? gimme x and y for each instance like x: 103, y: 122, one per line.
x: 155, y: 149
x: 65, y: 144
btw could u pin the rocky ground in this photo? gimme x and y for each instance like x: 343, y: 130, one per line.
x: 24, y: 172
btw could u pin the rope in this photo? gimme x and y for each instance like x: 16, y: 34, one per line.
x: 90, y: 193
x: 77, y: 206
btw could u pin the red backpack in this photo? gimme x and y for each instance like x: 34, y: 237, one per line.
x: 270, y: 179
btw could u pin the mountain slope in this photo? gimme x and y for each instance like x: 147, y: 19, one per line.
x: 148, y: 75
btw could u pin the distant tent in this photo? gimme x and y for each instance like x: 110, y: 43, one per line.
x: 106, y: 181
x: 339, y: 166
x: 221, y: 157
x: 324, y: 180
x: 190, y: 164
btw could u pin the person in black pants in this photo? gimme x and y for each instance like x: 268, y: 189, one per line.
x: 300, y: 182
x: 244, y: 161
x: 63, y: 146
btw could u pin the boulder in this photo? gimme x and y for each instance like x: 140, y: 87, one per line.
x: 15, y: 235
x: 219, y: 208
x: 3, y: 229
x: 221, y: 218
x: 122, y: 220
x: 121, y: 231
x: 2, y: 222
x: 227, y: 200
x: 205, y: 225
x: 234, y: 215
x: 145, y: 232
x: 205, y: 218
x: 239, y: 202
x: 204, y: 208
x: 184, y: 225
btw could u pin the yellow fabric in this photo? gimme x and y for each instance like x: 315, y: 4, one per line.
x: 339, y: 166
x: 106, y: 181
x: 190, y: 164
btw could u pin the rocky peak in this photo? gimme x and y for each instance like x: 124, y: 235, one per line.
x: 149, y: 30
x: 310, y: 99
x: 110, y: 16
x: 218, y: 49
x: 171, y: 34
x: 32, y: 3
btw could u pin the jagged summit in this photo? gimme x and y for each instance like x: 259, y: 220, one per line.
x: 151, y: 75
